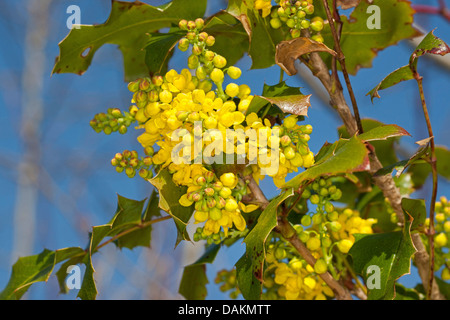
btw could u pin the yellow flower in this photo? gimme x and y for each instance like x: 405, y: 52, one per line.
x: 264, y: 5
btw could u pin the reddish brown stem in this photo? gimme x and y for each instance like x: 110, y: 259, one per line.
x: 427, y: 9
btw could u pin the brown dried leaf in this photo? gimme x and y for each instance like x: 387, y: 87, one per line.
x: 295, y: 104
x: 289, y: 51
x: 347, y: 4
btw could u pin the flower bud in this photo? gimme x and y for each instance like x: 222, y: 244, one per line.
x: 134, y: 86
x: 183, y: 24
x: 219, y: 61
x: 199, y: 23
x: 234, y: 72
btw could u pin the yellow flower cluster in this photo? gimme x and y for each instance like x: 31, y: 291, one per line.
x: 294, y: 280
x: 264, y: 5
x: 441, y: 239
x: 290, y: 277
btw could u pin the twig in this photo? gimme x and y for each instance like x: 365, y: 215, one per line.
x: 137, y: 227
x: 431, y: 231
x: 288, y: 232
x: 341, y: 58
x: 442, y: 10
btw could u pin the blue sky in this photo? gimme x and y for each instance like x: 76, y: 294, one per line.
x: 78, y: 187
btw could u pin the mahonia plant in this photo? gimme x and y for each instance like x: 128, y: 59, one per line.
x: 207, y: 141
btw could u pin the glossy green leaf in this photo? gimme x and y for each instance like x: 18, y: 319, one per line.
x: 126, y: 27
x: 383, y: 132
x: 142, y: 236
x: 194, y: 280
x: 361, y: 44
x: 32, y: 269
x: 384, y: 149
x: 229, y: 33
x: 169, y: 194
x: 391, y: 252
x: 352, y: 156
x: 159, y: 49
x: 429, y: 45
x: 402, y: 74
x: 421, y: 170
x: 249, y: 268
x: 288, y: 99
x: 263, y: 38
x: 417, y: 210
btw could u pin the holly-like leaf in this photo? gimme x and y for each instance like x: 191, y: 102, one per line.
x: 249, y: 268
x: 263, y: 38
x: 383, y: 132
x: 32, y: 269
x: 417, y: 210
x: 229, y: 33
x: 158, y: 50
x: 169, y: 196
x: 127, y: 27
x: 194, y: 280
x: 390, y: 253
x: 361, y: 44
x: 352, y: 156
x: 142, y: 236
x: 287, y: 99
x: 289, y: 51
x: 402, y: 74
x: 429, y: 45
x: 384, y: 150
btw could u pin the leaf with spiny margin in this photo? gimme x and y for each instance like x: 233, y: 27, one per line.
x: 402, y: 74
x: 169, y: 196
x: 288, y: 99
x: 429, y: 45
x: 229, y: 33
x: 401, y: 166
x: 417, y: 210
x: 361, y: 44
x: 403, y: 293
x: 142, y: 236
x: 291, y: 50
x: 158, y: 50
x: 194, y: 280
x: 420, y: 171
x: 127, y: 26
x: 383, y: 132
x: 263, y: 38
x: 352, y: 156
x: 390, y: 251
x: 384, y: 150
x: 249, y: 268
x: 32, y: 269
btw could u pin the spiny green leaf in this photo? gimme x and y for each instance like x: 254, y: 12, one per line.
x: 229, y: 33
x: 288, y: 99
x: 194, y: 280
x: 352, y: 156
x: 417, y: 210
x: 142, y: 236
x: 402, y: 74
x: 249, y: 268
x: 127, y: 26
x: 361, y: 44
x: 169, y: 194
x: 384, y: 150
x: 429, y: 45
x: 263, y: 38
x: 391, y: 252
x: 37, y: 268
x: 158, y: 50
x: 383, y: 132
